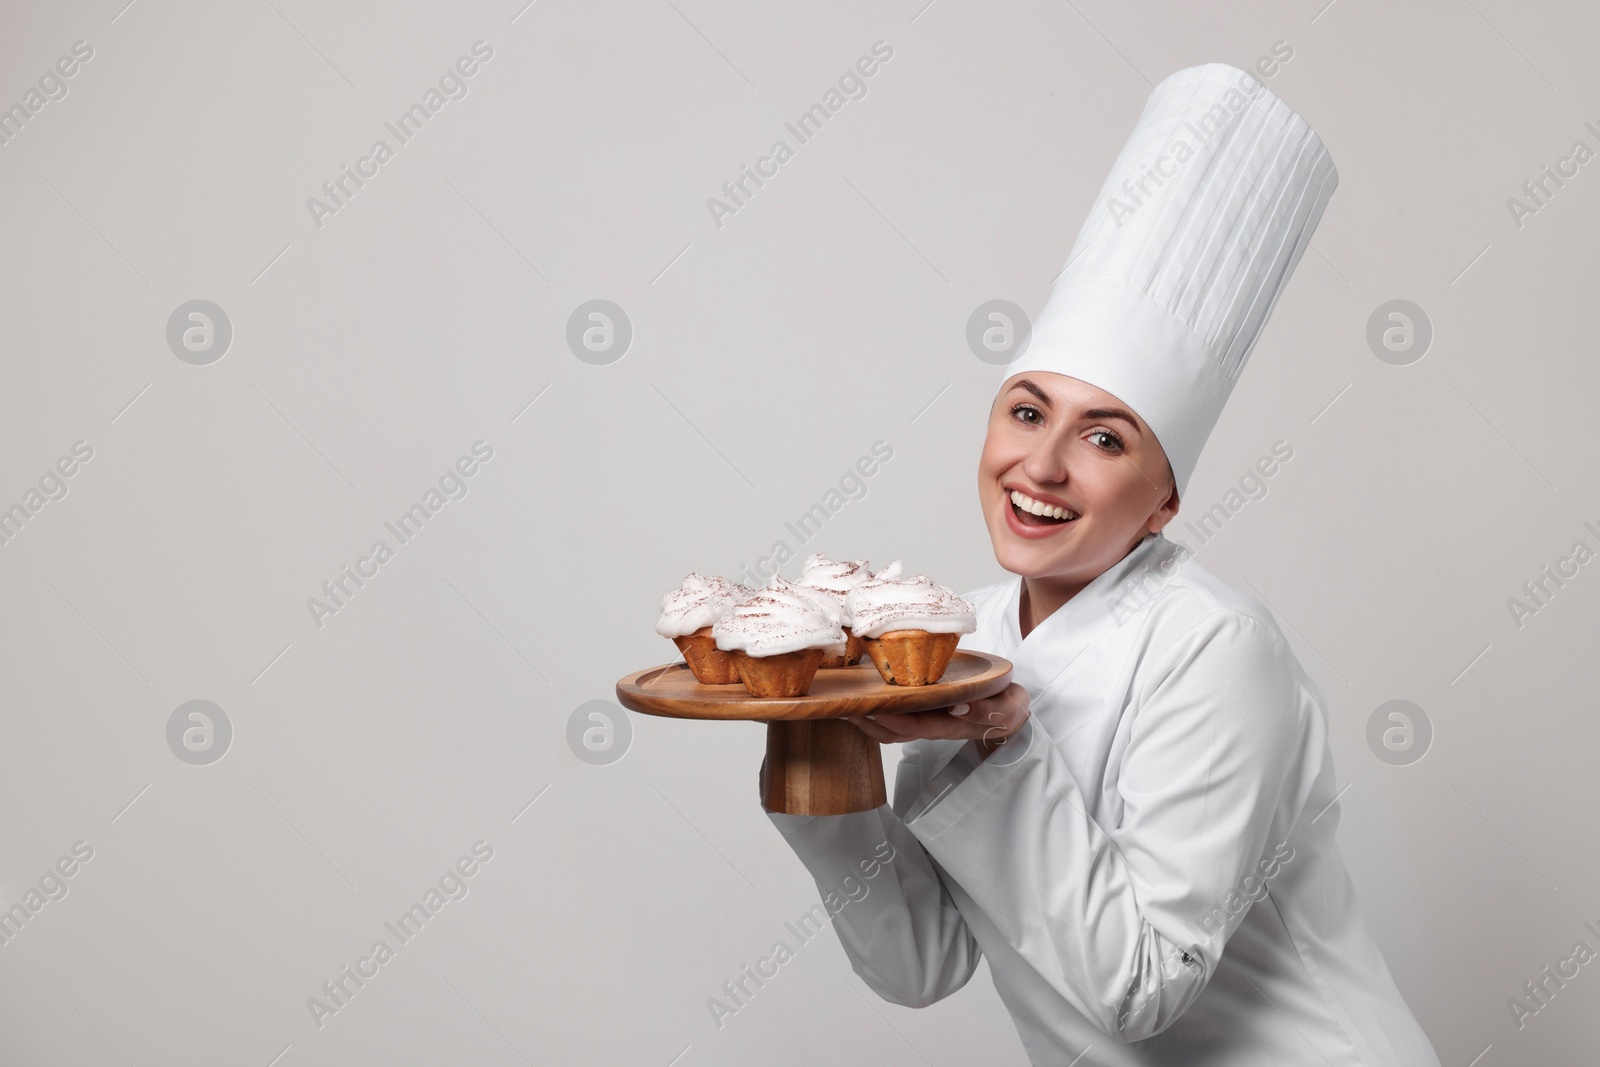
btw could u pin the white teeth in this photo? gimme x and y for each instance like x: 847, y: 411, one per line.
x: 1024, y: 502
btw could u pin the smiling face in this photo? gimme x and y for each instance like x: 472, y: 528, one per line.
x: 1070, y: 480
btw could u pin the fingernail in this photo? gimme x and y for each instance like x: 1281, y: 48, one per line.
x: 960, y: 709
x: 871, y: 716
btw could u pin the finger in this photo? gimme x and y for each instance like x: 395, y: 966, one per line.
x: 874, y: 731
x: 988, y: 712
x: 900, y: 723
x: 934, y: 726
x: 1008, y: 705
x: 897, y: 725
x: 986, y: 704
x: 869, y: 729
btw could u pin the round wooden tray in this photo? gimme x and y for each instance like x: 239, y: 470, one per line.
x: 817, y: 764
x: 671, y: 690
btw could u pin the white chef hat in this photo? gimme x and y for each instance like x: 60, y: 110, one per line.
x: 1199, y: 225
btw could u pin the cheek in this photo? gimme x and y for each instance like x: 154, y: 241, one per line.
x: 1122, y: 494
x: 1004, y: 446
x: 986, y: 478
x: 991, y: 436
x: 1100, y: 490
x: 1098, y: 486
x: 992, y: 460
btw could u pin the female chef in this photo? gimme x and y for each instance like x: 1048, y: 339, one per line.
x: 1138, y: 834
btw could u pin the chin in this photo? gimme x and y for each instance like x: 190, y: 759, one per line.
x: 1078, y: 562
x: 1028, y: 561
x: 1029, y: 565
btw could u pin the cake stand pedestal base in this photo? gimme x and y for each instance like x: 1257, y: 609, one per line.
x: 821, y: 767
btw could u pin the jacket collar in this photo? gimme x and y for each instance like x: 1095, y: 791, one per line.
x: 1106, y: 602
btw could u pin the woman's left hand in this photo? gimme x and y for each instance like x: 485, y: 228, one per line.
x: 989, y: 721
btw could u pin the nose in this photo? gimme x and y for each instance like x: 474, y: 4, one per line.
x: 1046, y: 464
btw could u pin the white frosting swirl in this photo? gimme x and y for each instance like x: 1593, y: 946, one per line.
x: 835, y: 578
x: 700, y: 601
x: 919, y: 603
x: 780, y: 617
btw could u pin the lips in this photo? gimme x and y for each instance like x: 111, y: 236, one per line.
x: 1026, y: 504
x: 1033, y: 517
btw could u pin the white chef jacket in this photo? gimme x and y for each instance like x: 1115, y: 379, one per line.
x: 1171, y: 796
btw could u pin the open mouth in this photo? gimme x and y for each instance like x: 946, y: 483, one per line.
x: 1030, y: 512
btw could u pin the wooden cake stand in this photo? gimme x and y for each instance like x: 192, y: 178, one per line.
x: 817, y: 764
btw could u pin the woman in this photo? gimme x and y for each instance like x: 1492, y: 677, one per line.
x: 1138, y: 833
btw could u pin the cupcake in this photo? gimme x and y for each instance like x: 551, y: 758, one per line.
x: 686, y: 616
x: 778, y: 637
x: 910, y: 626
x: 834, y: 579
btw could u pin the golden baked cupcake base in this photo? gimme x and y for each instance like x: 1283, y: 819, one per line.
x: 787, y: 674
x: 853, y: 651
x: 911, y: 657
x: 711, y: 665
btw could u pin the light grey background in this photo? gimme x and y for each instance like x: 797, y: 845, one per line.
x: 768, y: 354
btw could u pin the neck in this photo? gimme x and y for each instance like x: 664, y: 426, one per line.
x: 1043, y: 597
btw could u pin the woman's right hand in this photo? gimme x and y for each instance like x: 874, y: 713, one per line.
x: 988, y: 721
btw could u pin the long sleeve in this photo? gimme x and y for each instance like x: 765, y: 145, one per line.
x: 904, y: 937
x: 1127, y: 923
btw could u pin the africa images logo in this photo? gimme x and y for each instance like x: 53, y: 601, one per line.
x: 52, y: 86
x: 338, y: 191
x: 452, y: 485
x: 852, y: 85
x: 738, y: 990
x: 1137, y: 193
x: 452, y: 885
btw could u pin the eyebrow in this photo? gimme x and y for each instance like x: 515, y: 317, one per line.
x: 1091, y: 413
x: 1035, y: 390
x: 1113, y: 413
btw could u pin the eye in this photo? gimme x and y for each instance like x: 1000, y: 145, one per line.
x: 1021, y: 412
x: 1107, y: 440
